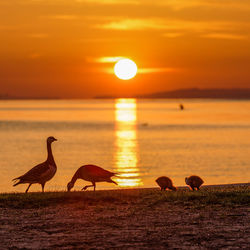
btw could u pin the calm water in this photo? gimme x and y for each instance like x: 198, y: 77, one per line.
x: 140, y: 139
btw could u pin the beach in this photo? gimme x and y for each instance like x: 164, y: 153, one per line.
x: 214, y: 217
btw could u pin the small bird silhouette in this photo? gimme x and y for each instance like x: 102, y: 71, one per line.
x: 91, y: 173
x: 194, y: 182
x: 42, y: 172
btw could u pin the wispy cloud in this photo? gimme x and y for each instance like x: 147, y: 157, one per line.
x: 225, y: 36
x: 155, y: 70
x: 114, y: 59
x: 173, y: 34
x: 110, y: 70
x: 163, y: 24
x: 108, y: 59
x: 174, y: 4
x: 177, y: 28
x: 132, y: 24
x: 185, y: 4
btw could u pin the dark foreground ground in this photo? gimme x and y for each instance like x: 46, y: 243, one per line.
x: 213, y: 218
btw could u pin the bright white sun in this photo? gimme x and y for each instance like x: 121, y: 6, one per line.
x: 125, y: 69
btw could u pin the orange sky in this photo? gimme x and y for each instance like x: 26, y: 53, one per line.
x: 55, y: 48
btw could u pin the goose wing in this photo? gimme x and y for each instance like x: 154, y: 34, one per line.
x: 36, y: 173
x: 98, y: 172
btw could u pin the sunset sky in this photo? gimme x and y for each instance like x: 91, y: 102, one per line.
x: 67, y: 48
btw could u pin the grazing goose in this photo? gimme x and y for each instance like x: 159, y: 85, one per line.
x: 42, y: 172
x: 91, y: 173
x: 165, y: 182
x: 194, y: 182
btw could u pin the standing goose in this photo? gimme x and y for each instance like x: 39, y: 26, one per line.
x: 42, y: 172
x: 91, y: 173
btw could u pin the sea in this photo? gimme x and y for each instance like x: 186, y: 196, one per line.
x: 139, y: 139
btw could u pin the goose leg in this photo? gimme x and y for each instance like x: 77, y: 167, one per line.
x: 84, y: 188
x: 28, y: 188
x: 94, y: 185
x: 43, y: 184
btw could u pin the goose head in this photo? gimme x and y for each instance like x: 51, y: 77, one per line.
x: 51, y: 139
x: 69, y: 186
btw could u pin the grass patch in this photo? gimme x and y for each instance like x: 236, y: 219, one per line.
x: 227, y: 196
x: 207, y: 197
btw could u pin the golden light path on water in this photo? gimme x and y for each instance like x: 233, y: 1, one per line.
x: 126, y: 157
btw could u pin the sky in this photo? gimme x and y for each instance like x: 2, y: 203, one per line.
x: 67, y: 48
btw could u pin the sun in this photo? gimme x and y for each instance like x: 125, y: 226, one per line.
x: 125, y: 69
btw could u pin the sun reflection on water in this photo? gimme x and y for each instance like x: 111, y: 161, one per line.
x: 126, y: 143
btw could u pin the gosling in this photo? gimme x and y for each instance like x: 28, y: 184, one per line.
x: 194, y: 182
x: 165, y: 183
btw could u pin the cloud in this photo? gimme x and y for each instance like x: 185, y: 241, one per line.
x: 114, y: 59
x: 176, y: 26
x: 110, y: 70
x: 132, y: 24
x: 225, y: 36
x: 109, y: 59
x: 173, y: 34
x: 155, y: 70
x: 185, y: 4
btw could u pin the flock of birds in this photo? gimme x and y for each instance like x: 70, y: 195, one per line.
x: 45, y: 171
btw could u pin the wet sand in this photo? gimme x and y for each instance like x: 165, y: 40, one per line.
x: 215, y: 217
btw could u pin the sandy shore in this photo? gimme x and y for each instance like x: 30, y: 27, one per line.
x: 215, y: 217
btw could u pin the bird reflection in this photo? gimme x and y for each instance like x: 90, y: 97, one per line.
x: 126, y: 143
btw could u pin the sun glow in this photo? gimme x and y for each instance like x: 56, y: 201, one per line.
x: 125, y: 69
x: 126, y: 157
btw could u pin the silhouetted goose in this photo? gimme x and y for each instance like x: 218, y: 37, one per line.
x: 91, y: 173
x: 42, y: 172
x: 165, y: 182
x: 194, y: 182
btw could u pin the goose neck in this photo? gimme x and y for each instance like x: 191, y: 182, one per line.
x: 75, y: 177
x: 50, y: 155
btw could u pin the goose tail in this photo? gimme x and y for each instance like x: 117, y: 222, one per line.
x: 113, y: 182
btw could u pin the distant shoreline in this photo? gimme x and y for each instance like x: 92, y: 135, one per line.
x: 190, y: 93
